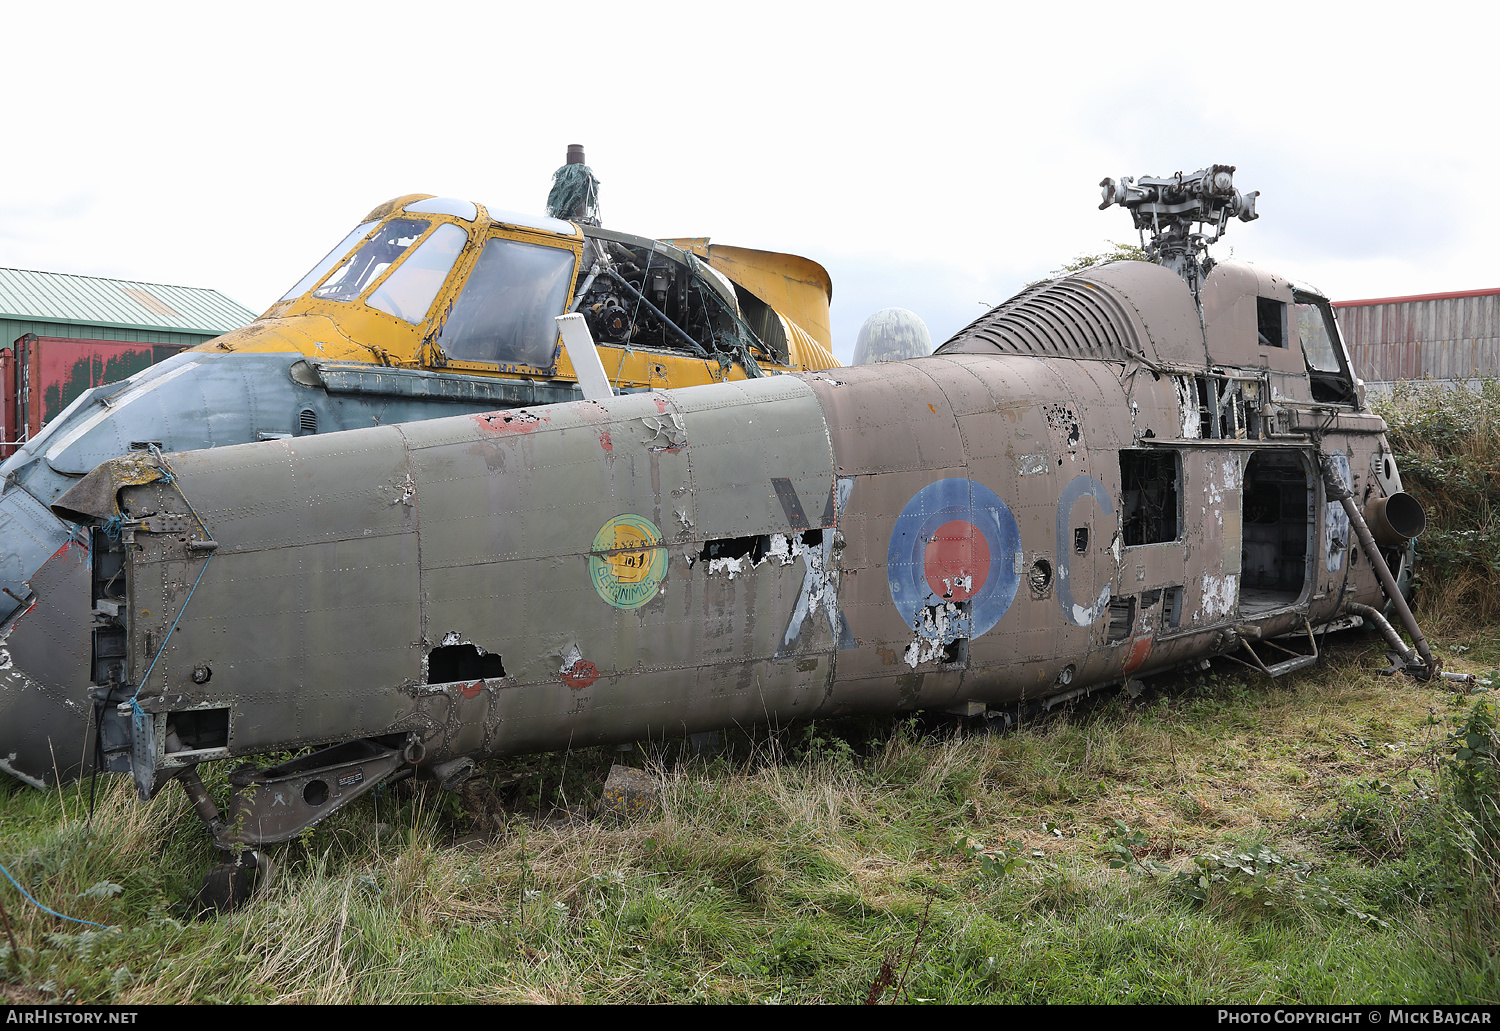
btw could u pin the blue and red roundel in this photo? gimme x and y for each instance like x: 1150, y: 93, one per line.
x: 955, y: 541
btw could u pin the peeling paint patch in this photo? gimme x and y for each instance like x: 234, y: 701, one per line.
x: 734, y: 555
x: 1336, y: 520
x: 605, y: 442
x: 578, y: 672
x: 8, y: 765
x: 517, y: 420
x: 408, y: 489
x: 1220, y: 593
x: 1187, y: 406
x: 668, y: 429
x: 937, y: 629
x: 1031, y: 465
x: 820, y: 583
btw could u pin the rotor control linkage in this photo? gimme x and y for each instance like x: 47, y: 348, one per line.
x: 1170, y: 207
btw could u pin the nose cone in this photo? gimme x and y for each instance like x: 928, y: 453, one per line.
x: 45, y: 652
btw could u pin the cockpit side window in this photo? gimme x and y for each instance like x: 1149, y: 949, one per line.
x: 333, y: 257
x: 409, y: 291
x: 1326, y: 366
x: 1270, y: 322
x: 506, y: 310
x: 365, y: 266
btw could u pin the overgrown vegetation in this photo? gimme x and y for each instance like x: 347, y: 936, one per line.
x: 1116, y: 251
x: 1327, y: 839
x: 1448, y: 443
x: 1330, y: 837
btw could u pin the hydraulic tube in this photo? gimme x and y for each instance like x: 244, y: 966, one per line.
x: 1334, y: 485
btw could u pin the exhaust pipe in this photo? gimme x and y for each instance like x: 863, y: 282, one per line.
x: 1396, y: 519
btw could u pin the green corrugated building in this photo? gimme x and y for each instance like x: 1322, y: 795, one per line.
x: 61, y: 334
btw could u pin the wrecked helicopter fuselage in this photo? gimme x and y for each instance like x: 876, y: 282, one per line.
x: 1112, y: 474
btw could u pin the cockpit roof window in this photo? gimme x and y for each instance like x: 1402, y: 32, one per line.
x: 367, y: 264
x: 409, y: 291
x: 445, y: 206
x: 551, y: 225
x: 322, y: 267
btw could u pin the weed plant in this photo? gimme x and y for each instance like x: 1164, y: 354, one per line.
x: 1447, y: 440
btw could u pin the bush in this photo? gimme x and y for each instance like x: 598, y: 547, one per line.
x: 1447, y: 442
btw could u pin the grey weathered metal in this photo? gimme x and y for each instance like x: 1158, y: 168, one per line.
x: 1170, y: 206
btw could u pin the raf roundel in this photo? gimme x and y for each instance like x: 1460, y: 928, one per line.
x: 954, y: 542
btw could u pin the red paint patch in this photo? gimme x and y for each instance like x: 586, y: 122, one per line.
x: 1139, y: 649
x: 957, y: 561
x: 661, y: 404
x: 605, y: 442
x: 581, y: 675
x: 68, y: 545
x: 470, y: 690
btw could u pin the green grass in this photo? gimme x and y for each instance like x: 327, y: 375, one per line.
x: 789, y: 866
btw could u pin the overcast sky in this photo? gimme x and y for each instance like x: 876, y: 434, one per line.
x: 931, y: 156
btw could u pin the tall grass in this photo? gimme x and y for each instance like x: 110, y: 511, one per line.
x: 1060, y: 862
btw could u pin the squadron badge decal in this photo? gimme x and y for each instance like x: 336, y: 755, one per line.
x: 627, y: 562
x: 954, y: 542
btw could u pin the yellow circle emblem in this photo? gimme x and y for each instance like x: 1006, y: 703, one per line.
x: 628, y: 561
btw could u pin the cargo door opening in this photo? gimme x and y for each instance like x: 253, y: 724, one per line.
x: 1277, y: 532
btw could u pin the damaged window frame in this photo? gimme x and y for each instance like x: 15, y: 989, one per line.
x: 1133, y: 466
x: 1323, y: 350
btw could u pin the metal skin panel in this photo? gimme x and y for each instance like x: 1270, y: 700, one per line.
x: 210, y: 399
x: 43, y: 660
x: 884, y: 422
x: 1161, y: 304
x: 305, y: 527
